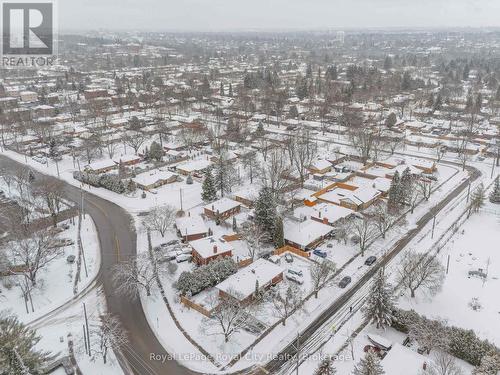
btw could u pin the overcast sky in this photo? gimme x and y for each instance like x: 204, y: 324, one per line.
x: 216, y: 15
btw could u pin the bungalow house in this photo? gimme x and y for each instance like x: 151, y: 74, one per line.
x: 191, y: 228
x: 306, y: 234
x: 128, y: 160
x: 102, y: 166
x: 208, y: 249
x: 154, y: 179
x: 193, y: 167
x: 353, y: 197
x: 222, y: 209
x: 324, y: 213
x: 247, y: 196
x: 320, y: 166
x: 241, y: 286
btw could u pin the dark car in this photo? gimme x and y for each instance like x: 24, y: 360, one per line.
x: 370, y: 260
x: 345, y: 281
x: 320, y: 253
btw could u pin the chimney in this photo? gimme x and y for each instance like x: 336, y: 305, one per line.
x: 253, y: 270
x: 319, y: 213
x: 215, y: 249
x: 424, y: 366
x: 213, y: 208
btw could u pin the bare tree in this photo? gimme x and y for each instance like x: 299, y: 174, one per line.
x: 254, y: 236
x: 365, y: 232
x: 444, y: 364
x: 382, y: 218
x: 301, y: 151
x: 420, y: 271
x: 425, y: 186
x: 160, y: 219
x: 274, y: 171
x: 50, y: 190
x: 106, y: 335
x: 440, y: 150
x: 135, y: 274
x: 321, y: 273
x: 285, y: 301
x: 33, y: 253
x: 228, y: 317
x: 135, y: 139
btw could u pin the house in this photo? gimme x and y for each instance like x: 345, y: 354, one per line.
x: 102, y: 166
x: 193, y: 167
x: 241, y: 286
x: 324, y: 213
x: 153, y: 179
x: 247, y: 196
x: 128, y: 160
x: 353, y: 197
x: 28, y: 96
x: 306, y: 234
x: 191, y: 228
x: 208, y: 249
x: 320, y: 166
x: 222, y: 209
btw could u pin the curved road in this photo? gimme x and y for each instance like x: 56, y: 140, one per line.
x: 117, y: 239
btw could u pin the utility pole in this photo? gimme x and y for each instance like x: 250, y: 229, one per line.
x: 433, y: 226
x: 468, y: 192
x: 448, y: 264
x: 180, y: 193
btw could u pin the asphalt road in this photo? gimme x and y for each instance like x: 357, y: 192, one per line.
x: 290, y: 350
x: 117, y: 239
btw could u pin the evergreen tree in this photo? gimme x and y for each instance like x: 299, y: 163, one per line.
x: 265, y: 211
x: 370, y: 365
x: 230, y: 94
x: 380, y: 304
x: 326, y: 367
x: 495, y: 193
x: 278, y: 235
x: 155, y: 151
x: 438, y: 103
x: 393, y: 201
x: 53, y: 148
x: 208, y: 193
x: 490, y: 365
x: 466, y: 72
x: 406, y: 185
x: 406, y: 81
x: 18, y: 353
x: 477, y: 199
x: 221, y: 89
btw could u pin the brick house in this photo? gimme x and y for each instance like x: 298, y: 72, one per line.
x: 208, y: 249
x: 222, y: 209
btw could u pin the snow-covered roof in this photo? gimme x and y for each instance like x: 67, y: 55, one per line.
x: 222, y: 205
x: 190, y: 225
x: 306, y: 232
x: 150, y: 178
x: 210, y: 246
x: 322, y: 211
x: 194, y: 165
x: 321, y: 164
x: 402, y: 360
x: 242, y: 284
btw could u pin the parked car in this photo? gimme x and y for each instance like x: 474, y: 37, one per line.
x: 298, y: 279
x: 70, y: 259
x: 274, y: 259
x: 289, y: 258
x: 370, y: 260
x: 65, y: 226
x: 183, y: 258
x: 295, y: 271
x: 61, y: 242
x: 40, y: 159
x: 345, y: 281
x: 320, y: 253
x: 172, y: 242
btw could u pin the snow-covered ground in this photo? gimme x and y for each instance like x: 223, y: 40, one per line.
x: 56, y: 280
